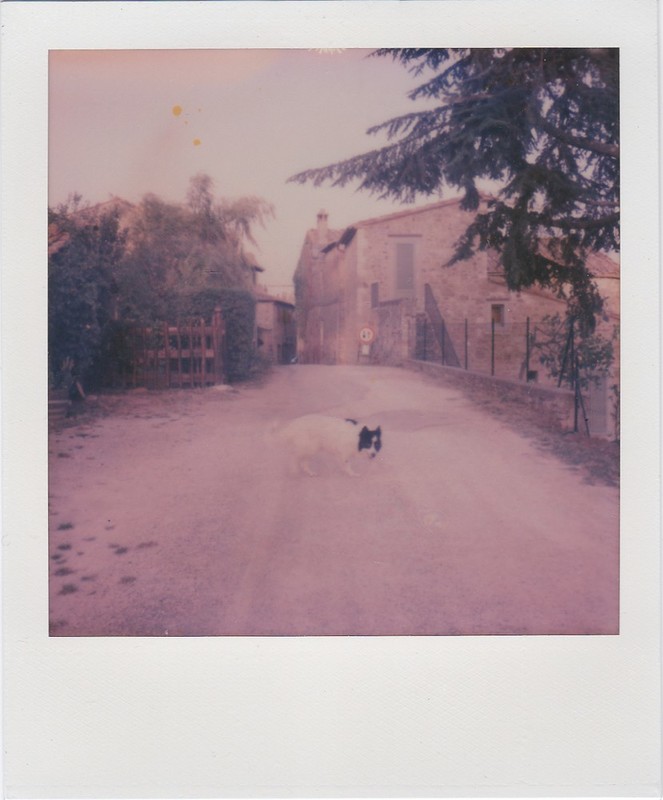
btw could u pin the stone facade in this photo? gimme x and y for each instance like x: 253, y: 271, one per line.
x: 275, y: 328
x: 388, y: 274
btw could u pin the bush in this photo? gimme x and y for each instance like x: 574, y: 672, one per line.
x: 594, y: 353
x: 166, y: 262
x: 238, y: 308
x: 112, y: 362
x: 81, y: 291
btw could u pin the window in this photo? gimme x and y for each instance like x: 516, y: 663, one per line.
x: 497, y: 313
x: 404, y: 266
x: 375, y: 295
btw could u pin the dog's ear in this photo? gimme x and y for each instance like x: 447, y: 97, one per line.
x: 364, y: 438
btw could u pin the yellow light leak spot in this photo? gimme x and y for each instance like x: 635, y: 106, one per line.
x: 177, y: 110
x: 196, y: 142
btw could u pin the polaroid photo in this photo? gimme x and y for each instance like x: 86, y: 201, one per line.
x: 331, y: 427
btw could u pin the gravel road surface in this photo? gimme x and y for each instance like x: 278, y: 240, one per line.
x: 173, y: 514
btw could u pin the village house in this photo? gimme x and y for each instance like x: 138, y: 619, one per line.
x: 276, y: 337
x: 379, y: 292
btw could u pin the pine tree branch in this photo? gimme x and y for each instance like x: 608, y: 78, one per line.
x: 582, y: 142
x: 577, y: 223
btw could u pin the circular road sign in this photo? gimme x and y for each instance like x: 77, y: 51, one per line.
x: 366, y: 335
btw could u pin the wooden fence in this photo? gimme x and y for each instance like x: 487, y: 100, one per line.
x: 187, y: 354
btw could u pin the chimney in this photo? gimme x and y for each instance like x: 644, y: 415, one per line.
x: 322, y: 227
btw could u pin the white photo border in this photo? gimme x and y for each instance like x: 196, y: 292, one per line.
x: 402, y: 716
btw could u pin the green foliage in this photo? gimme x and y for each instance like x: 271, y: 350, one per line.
x: 170, y: 261
x: 81, y: 293
x: 157, y: 264
x: 177, y: 250
x: 540, y: 123
x: 238, y: 309
x: 594, y: 353
x: 114, y: 357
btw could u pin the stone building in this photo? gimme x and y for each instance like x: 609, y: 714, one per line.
x: 276, y: 337
x: 378, y: 292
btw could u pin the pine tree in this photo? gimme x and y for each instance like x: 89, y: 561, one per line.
x: 541, y: 125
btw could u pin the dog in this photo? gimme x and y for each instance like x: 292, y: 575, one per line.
x: 344, y: 439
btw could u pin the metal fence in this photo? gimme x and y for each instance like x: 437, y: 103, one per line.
x: 529, y: 351
x: 502, y: 350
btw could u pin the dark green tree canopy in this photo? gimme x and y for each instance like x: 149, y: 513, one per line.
x: 82, y: 289
x: 156, y: 263
x: 540, y: 124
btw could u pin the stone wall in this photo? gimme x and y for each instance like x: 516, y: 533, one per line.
x: 467, y: 293
x: 351, y: 284
x: 554, y: 406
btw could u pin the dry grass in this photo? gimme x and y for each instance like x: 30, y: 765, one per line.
x: 596, y: 459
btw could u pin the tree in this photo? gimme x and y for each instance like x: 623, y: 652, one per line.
x: 156, y: 266
x: 82, y: 290
x: 177, y: 250
x: 559, y: 353
x: 542, y: 124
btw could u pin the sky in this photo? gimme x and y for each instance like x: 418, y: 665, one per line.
x: 127, y: 123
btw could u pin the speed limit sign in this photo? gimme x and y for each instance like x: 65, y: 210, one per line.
x: 366, y: 335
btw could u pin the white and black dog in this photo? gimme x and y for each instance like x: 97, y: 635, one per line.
x: 344, y: 439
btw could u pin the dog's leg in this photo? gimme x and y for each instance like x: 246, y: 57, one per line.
x: 300, y: 466
x: 347, y: 466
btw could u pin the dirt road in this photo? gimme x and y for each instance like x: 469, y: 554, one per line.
x: 175, y: 515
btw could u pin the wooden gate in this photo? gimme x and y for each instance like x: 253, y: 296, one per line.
x: 187, y: 354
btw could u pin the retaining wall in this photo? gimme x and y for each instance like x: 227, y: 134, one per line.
x: 555, y: 406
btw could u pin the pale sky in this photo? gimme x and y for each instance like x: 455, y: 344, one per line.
x: 127, y: 123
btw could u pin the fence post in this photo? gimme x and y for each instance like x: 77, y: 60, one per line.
x: 166, y: 349
x: 527, y: 351
x: 443, y: 342
x: 203, y: 353
x: 492, y: 347
x: 155, y: 344
x: 146, y: 357
x: 218, y: 361
x: 574, y: 374
x: 134, y: 356
x: 192, y: 355
x: 178, y: 333
x: 425, y: 341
